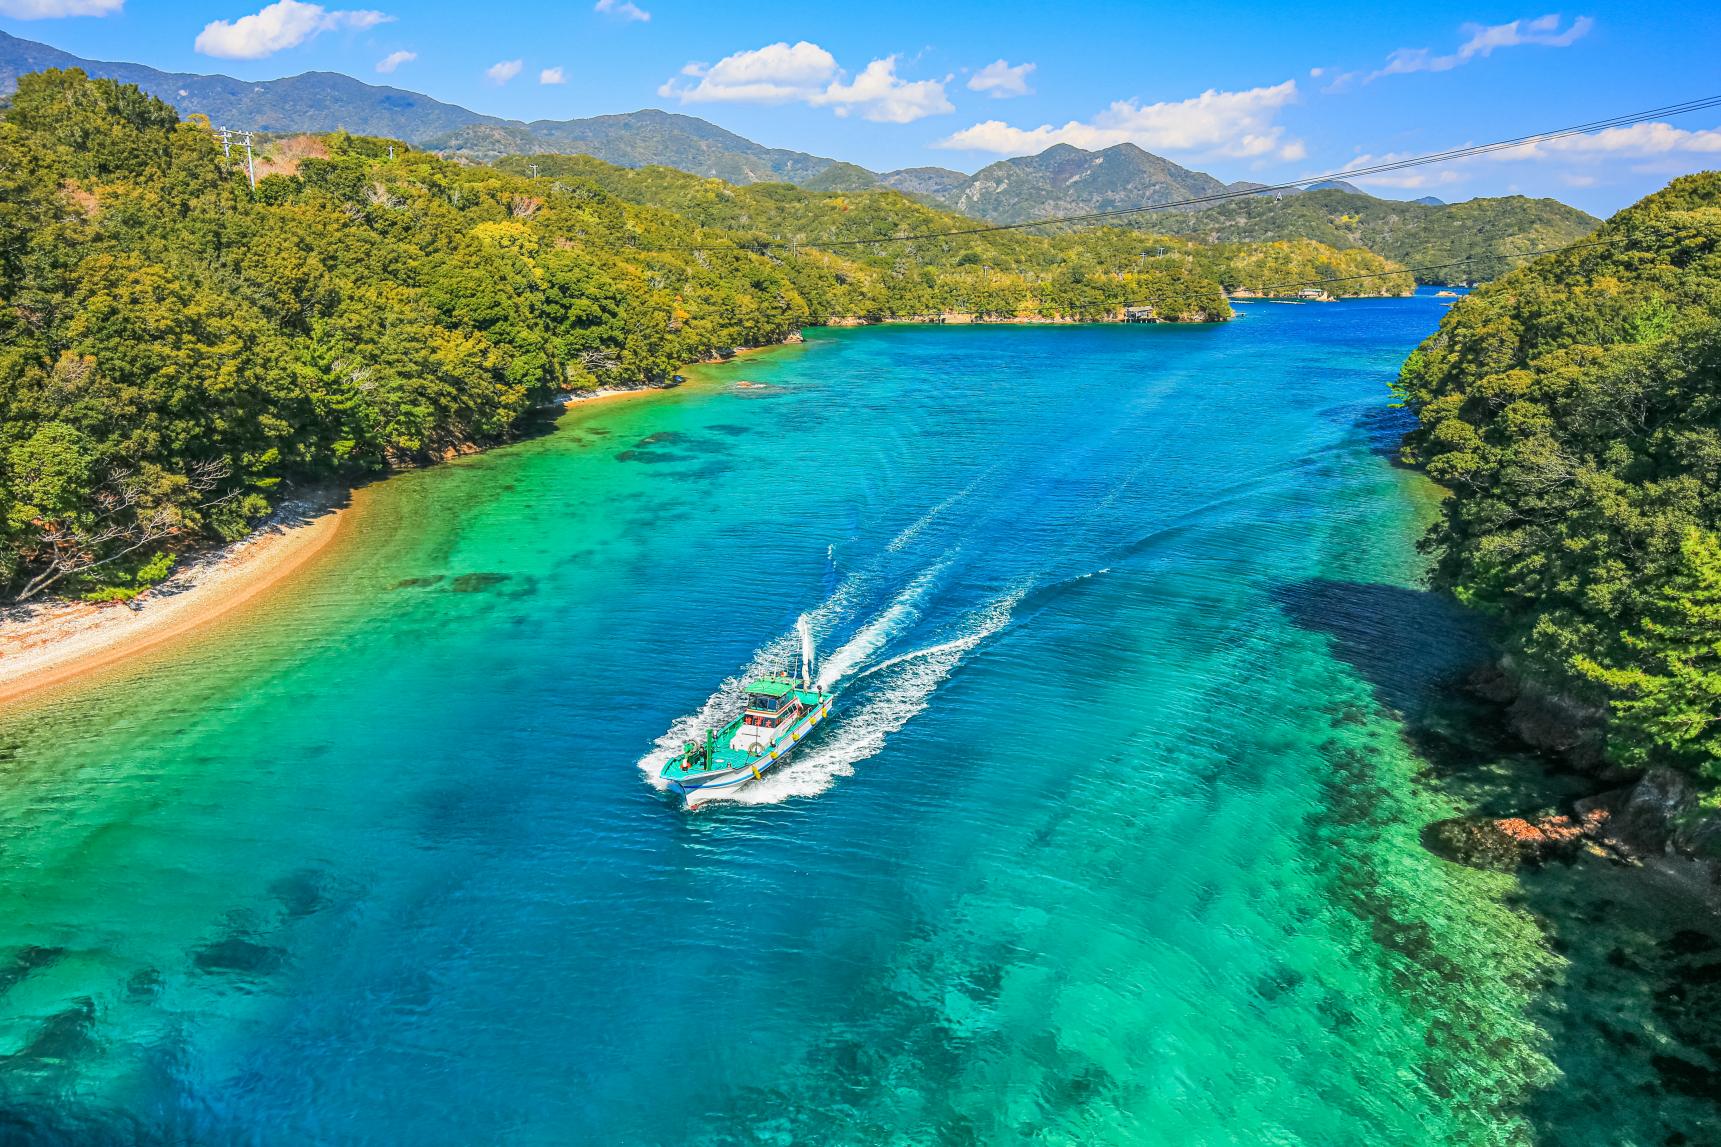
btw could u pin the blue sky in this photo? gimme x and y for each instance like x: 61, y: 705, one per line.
x: 1245, y: 91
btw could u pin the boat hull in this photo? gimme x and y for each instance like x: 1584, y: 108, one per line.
x: 729, y: 782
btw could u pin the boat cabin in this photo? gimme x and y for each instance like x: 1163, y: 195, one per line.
x: 772, y: 704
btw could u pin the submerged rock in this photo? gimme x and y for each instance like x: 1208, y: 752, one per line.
x: 1475, y: 842
x: 1503, y: 843
x: 476, y: 582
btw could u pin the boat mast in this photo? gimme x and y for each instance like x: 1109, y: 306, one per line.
x: 806, y: 631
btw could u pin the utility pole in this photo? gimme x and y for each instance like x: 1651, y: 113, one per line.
x: 228, y: 135
x: 534, y: 168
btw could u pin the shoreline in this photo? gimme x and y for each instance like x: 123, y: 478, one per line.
x: 56, y: 643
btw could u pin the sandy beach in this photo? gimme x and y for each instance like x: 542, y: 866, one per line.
x: 54, y: 642
x: 51, y: 643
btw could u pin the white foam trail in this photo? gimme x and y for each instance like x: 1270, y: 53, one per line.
x: 912, y: 655
x: 726, y: 701
x: 926, y: 519
x: 897, y: 616
x: 852, y: 737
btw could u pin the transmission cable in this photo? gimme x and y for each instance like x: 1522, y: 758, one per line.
x: 1531, y: 254
x: 1626, y: 120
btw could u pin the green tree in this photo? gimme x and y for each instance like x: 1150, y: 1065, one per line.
x: 1669, y: 698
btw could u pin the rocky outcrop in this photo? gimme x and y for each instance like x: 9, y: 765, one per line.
x: 1652, y: 814
x: 1663, y: 813
x: 1504, y: 843
x: 1543, y: 718
x: 1559, y: 724
x: 1657, y: 819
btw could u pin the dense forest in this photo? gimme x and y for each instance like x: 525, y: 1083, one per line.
x: 175, y: 348
x: 1474, y: 235
x: 1018, y: 270
x: 1573, y: 409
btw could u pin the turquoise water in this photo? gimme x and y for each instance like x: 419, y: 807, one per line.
x: 1113, y: 839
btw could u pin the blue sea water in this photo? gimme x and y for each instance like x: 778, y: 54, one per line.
x: 1113, y: 839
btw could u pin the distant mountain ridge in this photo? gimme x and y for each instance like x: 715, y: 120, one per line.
x: 1065, y: 180
x: 328, y: 101
x: 313, y: 101
x: 1452, y: 242
x: 1062, y: 180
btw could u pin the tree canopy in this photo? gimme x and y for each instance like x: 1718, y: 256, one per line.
x: 1573, y: 408
x: 176, y: 348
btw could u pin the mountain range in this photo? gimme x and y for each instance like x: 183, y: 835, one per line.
x: 328, y: 101
x: 1061, y: 180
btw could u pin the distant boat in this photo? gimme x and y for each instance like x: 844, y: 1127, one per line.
x: 779, y: 712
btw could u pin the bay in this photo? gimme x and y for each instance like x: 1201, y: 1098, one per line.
x: 1114, y: 838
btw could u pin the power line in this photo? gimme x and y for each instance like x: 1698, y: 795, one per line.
x: 1447, y: 156
x: 1531, y: 254
x: 1268, y: 292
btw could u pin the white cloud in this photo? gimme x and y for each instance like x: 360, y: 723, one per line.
x: 884, y: 97
x: 1638, y: 141
x: 393, y: 60
x: 504, y: 70
x: 1001, y: 81
x: 626, y: 9
x: 1236, y: 124
x: 283, y: 24
x: 804, y: 72
x: 1483, y: 40
x: 1410, y: 179
x: 776, y: 73
x: 56, y: 9
x: 1669, y: 149
x: 552, y: 76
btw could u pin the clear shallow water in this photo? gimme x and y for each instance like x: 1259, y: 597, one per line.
x: 1114, y: 840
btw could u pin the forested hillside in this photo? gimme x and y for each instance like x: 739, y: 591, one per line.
x: 329, y: 101
x: 1009, y: 269
x: 1065, y: 180
x: 1573, y: 408
x: 175, y: 348
x: 1473, y: 235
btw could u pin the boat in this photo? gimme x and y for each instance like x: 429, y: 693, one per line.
x: 778, y: 713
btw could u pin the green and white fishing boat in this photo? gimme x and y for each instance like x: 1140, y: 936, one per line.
x: 779, y: 711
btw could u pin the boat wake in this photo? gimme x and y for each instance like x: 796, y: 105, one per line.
x: 895, y: 619
x: 769, y: 658
x: 879, y: 696
x: 895, y: 691
x: 913, y: 530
